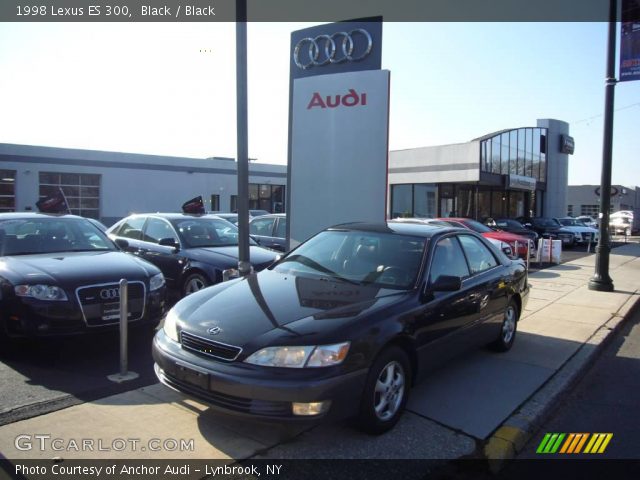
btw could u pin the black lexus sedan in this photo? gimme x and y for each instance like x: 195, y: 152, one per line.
x: 548, y: 228
x: 192, y: 251
x: 514, y: 226
x: 343, y: 325
x: 60, y: 274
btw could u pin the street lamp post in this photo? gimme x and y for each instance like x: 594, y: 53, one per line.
x: 244, y: 265
x: 601, y: 280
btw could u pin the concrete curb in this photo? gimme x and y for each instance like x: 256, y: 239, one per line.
x: 511, y: 437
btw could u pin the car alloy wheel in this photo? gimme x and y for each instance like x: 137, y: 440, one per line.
x: 386, y: 391
x: 508, y: 328
x: 193, y: 283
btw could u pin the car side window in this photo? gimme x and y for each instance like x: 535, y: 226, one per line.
x: 281, y: 228
x: 448, y: 259
x: 262, y: 226
x: 479, y: 256
x: 131, y: 228
x: 157, y: 229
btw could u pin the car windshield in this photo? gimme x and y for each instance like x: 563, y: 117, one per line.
x: 476, y: 226
x: 361, y: 257
x: 508, y: 224
x: 546, y: 222
x: 207, y: 232
x: 28, y: 236
x: 571, y: 222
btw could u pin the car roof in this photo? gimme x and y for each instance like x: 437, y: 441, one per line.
x: 26, y: 215
x: 174, y: 215
x: 270, y: 215
x: 403, y: 228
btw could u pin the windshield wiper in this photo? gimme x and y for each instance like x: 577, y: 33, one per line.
x: 316, y: 266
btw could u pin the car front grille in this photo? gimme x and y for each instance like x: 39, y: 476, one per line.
x: 100, y: 304
x: 209, y: 348
x: 238, y: 404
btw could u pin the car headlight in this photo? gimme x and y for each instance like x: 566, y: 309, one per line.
x: 170, y: 328
x: 156, y: 282
x: 300, y: 357
x: 41, y: 292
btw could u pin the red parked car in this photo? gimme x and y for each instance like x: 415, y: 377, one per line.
x: 510, y: 238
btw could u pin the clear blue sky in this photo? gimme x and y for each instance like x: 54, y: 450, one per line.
x: 169, y: 88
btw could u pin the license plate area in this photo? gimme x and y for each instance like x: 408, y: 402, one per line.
x: 192, y: 376
x: 111, y: 311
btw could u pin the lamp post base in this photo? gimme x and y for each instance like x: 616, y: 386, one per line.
x: 601, y: 284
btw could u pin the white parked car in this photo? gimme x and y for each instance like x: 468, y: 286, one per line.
x: 582, y: 233
x: 588, y: 221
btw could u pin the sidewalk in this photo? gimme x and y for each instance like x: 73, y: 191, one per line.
x: 483, y: 399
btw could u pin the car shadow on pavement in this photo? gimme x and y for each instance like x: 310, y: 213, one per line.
x: 47, y: 374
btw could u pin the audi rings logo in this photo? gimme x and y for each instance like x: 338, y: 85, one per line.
x: 335, y: 48
x: 109, y: 293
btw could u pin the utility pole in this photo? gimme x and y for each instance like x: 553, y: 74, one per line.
x: 244, y: 265
x: 601, y: 280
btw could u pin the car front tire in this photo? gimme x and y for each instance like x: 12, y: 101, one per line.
x: 508, y: 329
x: 386, y: 392
x: 193, y: 283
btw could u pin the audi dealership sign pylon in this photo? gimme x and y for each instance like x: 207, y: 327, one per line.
x: 339, y: 123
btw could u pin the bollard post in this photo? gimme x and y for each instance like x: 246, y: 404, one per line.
x: 124, y: 374
x: 528, y: 253
x: 515, y: 246
x: 589, y: 245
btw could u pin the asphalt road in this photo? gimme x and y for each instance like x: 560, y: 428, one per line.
x: 43, y: 376
x: 606, y: 400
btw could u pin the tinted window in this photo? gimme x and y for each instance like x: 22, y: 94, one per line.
x: 262, y: 226
x: 281, y: 228
x: 207, y: 232
x: 448, y: 259
x: 372, y: 258
x: 479, y: 256
x: 47, y: 235
x: 477, y: 226
x: 131, y: 228
x: 157, y: 229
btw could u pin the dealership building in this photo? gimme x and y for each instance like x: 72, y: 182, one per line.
x: 111, y: 185
x: 511, y: 173
x: 585, y: 199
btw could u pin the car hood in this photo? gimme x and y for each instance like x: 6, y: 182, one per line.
x: 272, y: 308
x: 71, y: 269
x: 506, y: 237
x: 227, y: 257
x: 580, y: 229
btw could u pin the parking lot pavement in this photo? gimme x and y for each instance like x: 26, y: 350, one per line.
x: 457, y: 410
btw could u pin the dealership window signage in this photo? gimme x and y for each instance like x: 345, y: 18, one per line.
x: 339, y: 123
x: 630, y: 41
x: 567, y: 144
x: 519, y: 182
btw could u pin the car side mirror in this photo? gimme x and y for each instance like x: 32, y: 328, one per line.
x: 446, y: 283
x: 169, y: 242
x: 121, y: 243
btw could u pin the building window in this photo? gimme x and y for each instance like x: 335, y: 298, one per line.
x: 267, y: 197
x: 82, y: 191
x: 570, y: 210
x: 413, y: 200
x: 215, y: 203
x: 233, y: 207
x: 591, y: 210
x: 7, y: 190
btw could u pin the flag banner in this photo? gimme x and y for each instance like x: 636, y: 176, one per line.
x: 195, y: 205
x: 630, y: 41
x: 56, y: 203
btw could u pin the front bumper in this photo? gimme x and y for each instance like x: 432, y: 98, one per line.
x: 247, y: 390
x: 25, y: 317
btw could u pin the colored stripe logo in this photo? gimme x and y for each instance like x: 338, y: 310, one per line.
x: 593, y: 443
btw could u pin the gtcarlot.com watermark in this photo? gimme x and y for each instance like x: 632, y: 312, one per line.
x: 49, y: 443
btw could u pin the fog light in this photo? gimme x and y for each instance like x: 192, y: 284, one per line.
x: 310, y: 409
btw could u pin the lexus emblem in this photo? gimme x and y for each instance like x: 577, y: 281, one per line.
x: 214, y: 330
x: 109, y: 293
